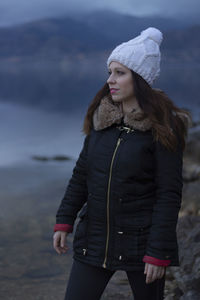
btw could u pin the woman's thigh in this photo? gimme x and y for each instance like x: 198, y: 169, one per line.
x: 143, y: 291
x: 86, y: 281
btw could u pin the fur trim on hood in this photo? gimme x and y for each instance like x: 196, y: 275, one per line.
x: 108, y: 113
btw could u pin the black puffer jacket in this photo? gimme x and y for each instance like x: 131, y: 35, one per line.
x: 128, y: 189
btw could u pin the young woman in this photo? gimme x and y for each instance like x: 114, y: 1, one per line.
x: 127, y: 181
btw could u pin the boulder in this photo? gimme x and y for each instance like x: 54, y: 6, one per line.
x: 186, y: 277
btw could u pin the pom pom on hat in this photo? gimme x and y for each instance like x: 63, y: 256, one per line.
x: 141, y: 54
x: 154, y: 34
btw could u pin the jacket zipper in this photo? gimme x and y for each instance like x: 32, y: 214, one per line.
x: 108, y: 200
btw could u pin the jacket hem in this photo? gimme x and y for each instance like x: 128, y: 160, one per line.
x: 125, y: 267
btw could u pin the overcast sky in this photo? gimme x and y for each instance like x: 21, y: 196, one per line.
x: 19, y: 11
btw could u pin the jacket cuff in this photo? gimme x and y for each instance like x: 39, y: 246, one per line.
x: 63, y: 227
x: 156, y: 261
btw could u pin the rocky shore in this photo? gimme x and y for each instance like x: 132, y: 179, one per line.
x: 184, y: 282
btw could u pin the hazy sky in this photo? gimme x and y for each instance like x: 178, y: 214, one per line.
x: 18, y: 11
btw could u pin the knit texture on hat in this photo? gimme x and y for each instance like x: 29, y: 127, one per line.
x: 141, y: 54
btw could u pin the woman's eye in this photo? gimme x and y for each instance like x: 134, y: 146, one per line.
x: 118, y: 72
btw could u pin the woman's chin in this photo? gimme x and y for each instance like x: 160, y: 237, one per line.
x: 116, y: 98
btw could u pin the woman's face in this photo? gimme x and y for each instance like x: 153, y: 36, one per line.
x: 120, y: 82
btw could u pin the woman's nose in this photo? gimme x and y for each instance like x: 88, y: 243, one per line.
x: 110, y: 79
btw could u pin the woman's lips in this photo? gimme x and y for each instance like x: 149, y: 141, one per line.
x: 112, y: 91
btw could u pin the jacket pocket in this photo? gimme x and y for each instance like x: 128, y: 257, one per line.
x: 83, y: 211
x: 129, y: 244
x: 134, y: 240
x: 80, y: 236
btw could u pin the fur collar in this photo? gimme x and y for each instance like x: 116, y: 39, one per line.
x: 108, y: 113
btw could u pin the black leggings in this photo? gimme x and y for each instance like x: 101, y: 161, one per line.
x: 89, y: 282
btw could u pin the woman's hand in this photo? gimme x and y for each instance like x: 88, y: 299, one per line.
x: 59, y: 242
x: 153, y: 272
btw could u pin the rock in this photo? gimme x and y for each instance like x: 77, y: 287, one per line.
x: 191, y: 155
x: 190, y: 209
x: 190, y: 199
x: 39, y: 157
x: 191, y: 171
x: 56, y: 157
x: 192, y: 148
x: 61, y: 157
x: 191, y: 295
x: 187, y: 276
x: 172, y: 291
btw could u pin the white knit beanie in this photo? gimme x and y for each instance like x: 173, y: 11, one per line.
x: 141, y: 54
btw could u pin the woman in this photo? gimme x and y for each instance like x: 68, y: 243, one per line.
x: 127, y: 181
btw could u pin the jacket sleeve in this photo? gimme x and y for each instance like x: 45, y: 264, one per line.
x: 162, y: 240
x: 156, y: 261
x: 63, y: 227
x: 75, y: 195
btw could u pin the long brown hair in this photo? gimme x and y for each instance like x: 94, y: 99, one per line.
x: 170, y: 122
